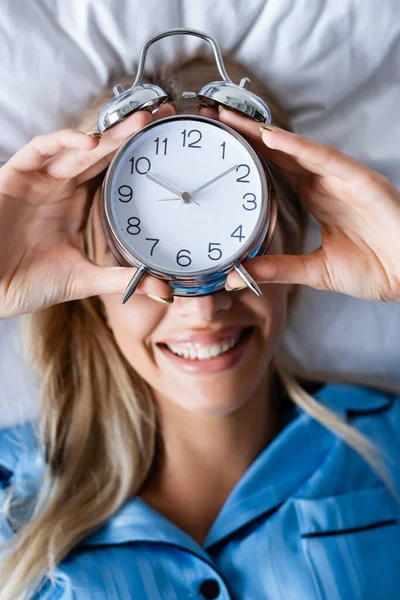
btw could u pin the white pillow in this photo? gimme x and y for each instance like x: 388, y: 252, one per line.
x: 335, y: 67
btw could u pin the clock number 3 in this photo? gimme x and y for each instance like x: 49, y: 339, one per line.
x: 251, y: 201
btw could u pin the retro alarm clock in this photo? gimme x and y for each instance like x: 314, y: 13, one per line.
x: 186, y: 198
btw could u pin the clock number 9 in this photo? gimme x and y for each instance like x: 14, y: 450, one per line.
x: 218, y: 251
x: 183, y: 260
x: 252, y: 201
x: 126, y: 193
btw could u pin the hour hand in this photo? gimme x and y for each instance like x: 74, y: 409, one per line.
x: 163, y: 183
x: 184, y: 196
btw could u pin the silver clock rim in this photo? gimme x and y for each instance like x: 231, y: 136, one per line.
x: 136, y: 261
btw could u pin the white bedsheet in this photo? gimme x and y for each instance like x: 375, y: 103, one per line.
x: 335, y: 64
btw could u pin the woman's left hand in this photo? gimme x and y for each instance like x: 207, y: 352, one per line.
x: 358, y: 211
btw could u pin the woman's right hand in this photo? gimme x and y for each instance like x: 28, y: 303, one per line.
x: 45, y: 193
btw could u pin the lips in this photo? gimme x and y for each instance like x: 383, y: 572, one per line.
x: 205, y: 338
x: 195, y: 359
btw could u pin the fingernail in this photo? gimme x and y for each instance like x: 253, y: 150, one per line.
x: 235, y: 289
x: 95, y: 134
x: 263, y: 127
x: 160, y: 299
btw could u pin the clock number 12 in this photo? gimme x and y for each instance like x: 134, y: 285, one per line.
x: 194, y: 142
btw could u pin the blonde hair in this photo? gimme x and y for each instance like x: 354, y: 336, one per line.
x: 98, y: 424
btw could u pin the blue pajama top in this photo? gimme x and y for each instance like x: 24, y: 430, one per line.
x: 309, y: 519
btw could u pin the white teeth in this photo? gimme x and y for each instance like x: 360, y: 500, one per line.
x: 198, y: 352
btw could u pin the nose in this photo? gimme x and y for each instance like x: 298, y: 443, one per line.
x: 203, y: 308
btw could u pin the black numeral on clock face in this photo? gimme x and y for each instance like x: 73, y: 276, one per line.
x: 164, y: 142
x: 214, y: 253
x: 238, y: 233
x: 141, y: 166
x: 246, y: 169
x: 182, y: 259
x: 155, y: 240
x: 125, y: 192
x: 223, y: 146
x: 250, y: 201
x: 195, y: 135
x: 133, y: 226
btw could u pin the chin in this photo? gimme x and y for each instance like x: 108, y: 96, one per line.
x: 211, y: 404
x: 221, y: 394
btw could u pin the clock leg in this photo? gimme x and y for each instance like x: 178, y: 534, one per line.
x: 247, y: 278
x: 134, y: 282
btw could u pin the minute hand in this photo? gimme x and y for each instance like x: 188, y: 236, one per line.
x: 214, y: 180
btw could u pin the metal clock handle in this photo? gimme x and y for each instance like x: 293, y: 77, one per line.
x: 247, y: 278
x: 134, y: 282
x: 181, y: 31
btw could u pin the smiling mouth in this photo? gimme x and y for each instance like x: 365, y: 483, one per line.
x: 207, y: 352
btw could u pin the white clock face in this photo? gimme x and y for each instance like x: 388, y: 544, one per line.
x: 186, y: 195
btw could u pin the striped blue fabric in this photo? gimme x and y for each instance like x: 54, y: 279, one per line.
x: 308, y: 520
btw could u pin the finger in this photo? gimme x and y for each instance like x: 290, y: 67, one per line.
x: 93, y: 280
x: 70, y: 163
x: 319, y: 159
x: 211, y: 113
x: 251, y: 132
x: 95, y: 169
x: 307, y: 269
x: 166, y: 110
x: 35, y: 154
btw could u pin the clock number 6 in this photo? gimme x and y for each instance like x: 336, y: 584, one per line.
x: 252, y: 201
x: 218, y: 251
x: 183, y: 260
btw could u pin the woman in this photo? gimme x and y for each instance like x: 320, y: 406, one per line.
x: 154, y: 478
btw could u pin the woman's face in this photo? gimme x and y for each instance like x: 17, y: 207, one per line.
x: 207, y: 354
